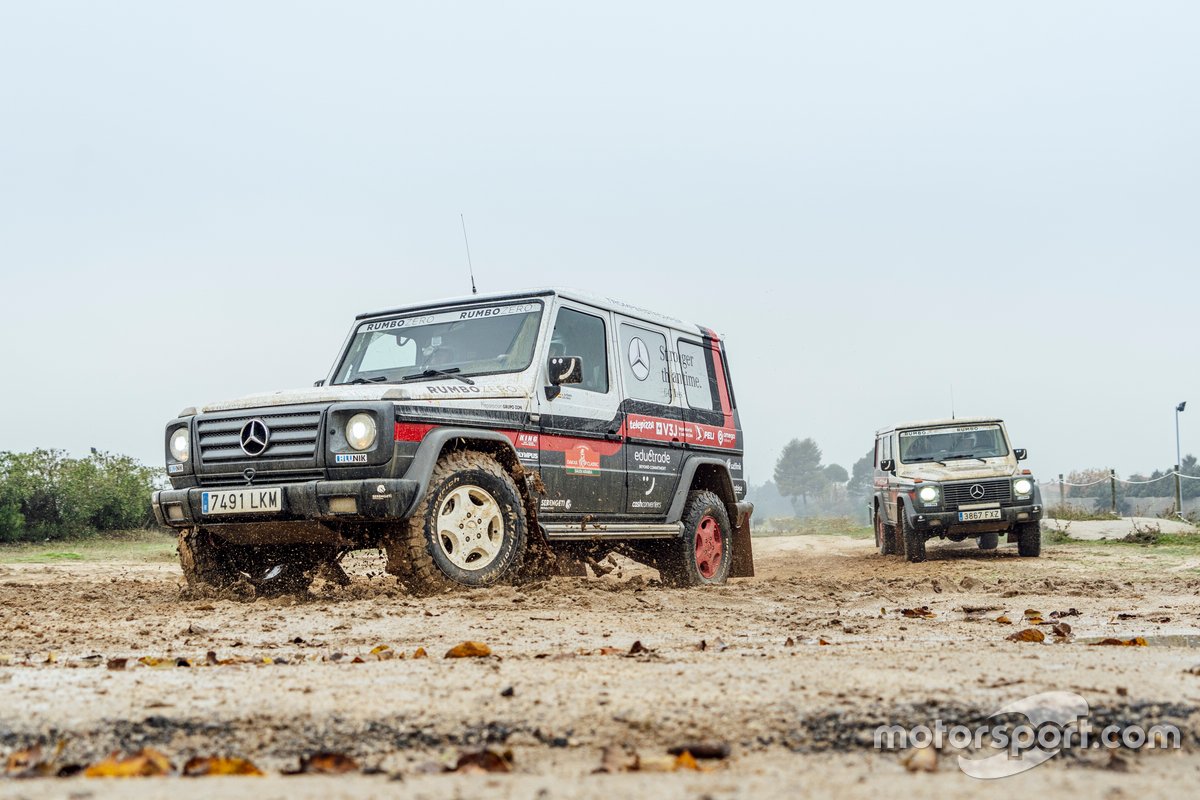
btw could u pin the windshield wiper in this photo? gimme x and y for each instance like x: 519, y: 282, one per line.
x: 376, y: 379
x: 956, y: 456
x: 441, y: 373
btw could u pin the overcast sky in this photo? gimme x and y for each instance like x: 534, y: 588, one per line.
x: 872, y: 201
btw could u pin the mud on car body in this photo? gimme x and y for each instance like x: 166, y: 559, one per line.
x: 474, y: 441
x: 953, y: 479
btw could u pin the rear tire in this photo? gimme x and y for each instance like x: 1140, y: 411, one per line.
x: 914, y: 541
x: 1029, y: 539
x: 704, y: 554
x: 885, y: 535
x: 468, y: 530
x: 989, y: 541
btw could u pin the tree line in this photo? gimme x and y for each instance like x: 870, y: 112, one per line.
x: 45, y: 494
x: 806, y: 486
x: 1158, y: 483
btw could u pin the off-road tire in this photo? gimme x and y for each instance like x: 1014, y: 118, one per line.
x: 209, y: 561
x: 885, y: 535
x: 914, y: 541
x: 1029, y: 539
x: 989, y: 541
x: 414, y: 553
x: 206, y: 560
x: 683, y: 564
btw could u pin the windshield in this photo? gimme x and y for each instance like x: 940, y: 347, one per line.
x: 473, y: 341
x: 945, y: 444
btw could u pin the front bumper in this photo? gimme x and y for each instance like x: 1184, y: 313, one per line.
x: 936, y: 522
x: 364, y: 500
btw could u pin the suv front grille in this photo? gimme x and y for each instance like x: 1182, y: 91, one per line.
x: 293, y: 435
x: 260, y: 479
x: 994, y: 490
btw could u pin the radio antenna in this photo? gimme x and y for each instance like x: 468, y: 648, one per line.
x: 470, y: 267
x: 952, y: 415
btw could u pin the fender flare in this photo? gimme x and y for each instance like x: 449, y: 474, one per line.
x: 430, y: 450
x: 688, y: 473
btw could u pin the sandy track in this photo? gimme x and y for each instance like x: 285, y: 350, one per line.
x: 798, y: 714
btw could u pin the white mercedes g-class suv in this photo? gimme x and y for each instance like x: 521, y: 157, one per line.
x: 952, y: 478
x: 474, y: 440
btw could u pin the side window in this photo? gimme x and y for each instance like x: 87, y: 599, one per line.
x: 582, y: 335
x: 696, y: 374
x: 878, y: 452
x: 644, y: 364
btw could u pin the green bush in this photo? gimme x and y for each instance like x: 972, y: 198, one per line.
x: 47, y: 495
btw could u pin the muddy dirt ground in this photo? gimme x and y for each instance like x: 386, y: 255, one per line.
x: 794, y: 669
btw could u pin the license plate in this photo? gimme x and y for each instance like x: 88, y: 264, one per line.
x: 976, y: 516
x: 241, y: 501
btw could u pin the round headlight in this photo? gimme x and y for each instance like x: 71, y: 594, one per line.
x: 360, y: 431
x: 928, y: 494
x: 1023, y: 486
x: 180, y: 445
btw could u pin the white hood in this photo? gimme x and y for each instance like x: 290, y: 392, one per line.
x: 959, y: 470
x: 437, y: 390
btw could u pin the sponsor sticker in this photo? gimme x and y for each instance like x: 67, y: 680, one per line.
x: 582, y: 460
x: 447, y: 316
x: 350, y: 458
x: 958, y: 429
x: 174, y: 468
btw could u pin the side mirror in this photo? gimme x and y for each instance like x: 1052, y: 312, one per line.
x: 887, y: 465
x: 565, y: 369
x: 1021, y: 454
x: 319, y: 383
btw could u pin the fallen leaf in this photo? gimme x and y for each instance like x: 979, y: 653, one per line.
x: 219, y: 765
x: 379, y: 648
x: 117, y: 663
x: 145, y: 763
x: 822, y: 642
x: 1062, y: 630
x: 1003, y: 620
x: 469, y: 650
x: 638, y: 647
x: 686, y: 760
x: 51, y: 657
x: 420, y: 653
x: 924, y: 759
x: 924, y: 612
x: 1136, y: 641
x: 326, y: 764
x: 1032, y: 612
x: 790, y: 642
x: 1070, y: 612
x: 483, y: 761
x: 703, y: 750
x: 1027, y: 635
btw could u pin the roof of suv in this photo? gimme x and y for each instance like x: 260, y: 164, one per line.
x: 569, y: 294
x: 937, y: 423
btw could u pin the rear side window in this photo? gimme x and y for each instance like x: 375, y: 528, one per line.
x: 697, y: 375
x: 582, y: 335
x: 644, y: 364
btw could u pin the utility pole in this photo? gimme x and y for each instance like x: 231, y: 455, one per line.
x: 1178, y: 461
x: 1112, y: 482
x: 1062, y: 492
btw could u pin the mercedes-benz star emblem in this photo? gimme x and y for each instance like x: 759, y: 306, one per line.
x: 977, y: 491
x: 254, y: 437
x: 639, y: 359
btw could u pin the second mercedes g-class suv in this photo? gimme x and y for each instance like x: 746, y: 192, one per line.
x: 474, y: 440
x: 954, y: 478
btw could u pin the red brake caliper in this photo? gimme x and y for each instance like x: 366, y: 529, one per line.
x: 708, y: 546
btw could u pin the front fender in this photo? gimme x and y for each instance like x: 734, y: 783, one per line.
x: 430, y: 449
